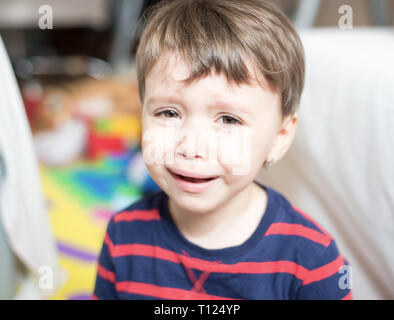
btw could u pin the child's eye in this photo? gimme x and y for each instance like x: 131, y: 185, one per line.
x: 229, y: 120
x: 167, y: 114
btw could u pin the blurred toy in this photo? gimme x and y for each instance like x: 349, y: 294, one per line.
x: 113, y: 135
x: 112, y: 109
x: 98, y: 99
x: 96, y: 106
x: 63, y: 144
x: 100, y: 145
x: 109, y: 109
x: 32, y: 93
x: 47, y: 108
x: 125, y: 126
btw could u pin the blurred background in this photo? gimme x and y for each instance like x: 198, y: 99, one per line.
x: 73, y: 78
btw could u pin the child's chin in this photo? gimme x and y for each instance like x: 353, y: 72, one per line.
x: 194, y: 205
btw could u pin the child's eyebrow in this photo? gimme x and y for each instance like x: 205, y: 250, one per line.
x: 215, y: 104
x: 156, y: 99
x: 230, y: 106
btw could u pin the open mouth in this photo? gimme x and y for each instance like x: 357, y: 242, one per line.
x: 191, y: 179
x: 194, y: 180
x: 191, y: 182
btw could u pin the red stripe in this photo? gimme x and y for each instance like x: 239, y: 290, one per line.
x: 145, y: 215
x: 108, y: 242
x: 105, y: 274
x: 94, y: 297
x: 348, y: 296
x: 281, y: 228
x: 313, y: 221
x: 145, y: 250
x: 164, y: 292
x: 325, y: 271
x: 211, y: 266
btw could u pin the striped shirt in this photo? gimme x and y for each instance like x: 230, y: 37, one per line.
x: 289, y: 256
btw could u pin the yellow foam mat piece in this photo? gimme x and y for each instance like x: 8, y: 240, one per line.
x: 79, y: 236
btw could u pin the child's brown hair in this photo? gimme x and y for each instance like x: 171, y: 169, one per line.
x: 224, y: 34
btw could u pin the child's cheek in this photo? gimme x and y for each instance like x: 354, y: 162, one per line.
x: 158, y: 145
x: 235, y: 151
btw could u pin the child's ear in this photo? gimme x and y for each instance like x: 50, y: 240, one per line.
x: 284, y: 138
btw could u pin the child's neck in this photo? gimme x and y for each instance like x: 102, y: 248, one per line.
x: 230, y: 225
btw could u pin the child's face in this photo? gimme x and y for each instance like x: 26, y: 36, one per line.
x: 208, y: 129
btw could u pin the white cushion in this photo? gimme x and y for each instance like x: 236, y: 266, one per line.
x: 340, y: 168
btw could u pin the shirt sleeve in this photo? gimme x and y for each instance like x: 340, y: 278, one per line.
x: 105, y: 287
x: 331, y: 279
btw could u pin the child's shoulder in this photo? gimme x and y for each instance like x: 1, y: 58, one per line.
x: 297, y: 234
x: 302, y: 240
x: 292, y: 220
x: 136, y: 217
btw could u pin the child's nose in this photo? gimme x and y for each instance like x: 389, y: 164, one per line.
x: 192, y: 142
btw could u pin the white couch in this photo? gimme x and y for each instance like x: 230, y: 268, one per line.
x: 340, y: 168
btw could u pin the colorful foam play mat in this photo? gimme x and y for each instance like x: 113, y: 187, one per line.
x: 81, y: 198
